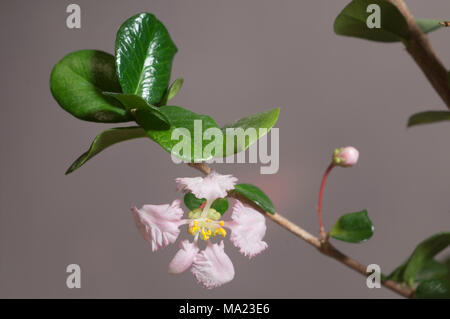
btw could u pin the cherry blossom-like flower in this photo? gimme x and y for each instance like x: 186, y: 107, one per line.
x: 345, y: 156
x: 159, y: 225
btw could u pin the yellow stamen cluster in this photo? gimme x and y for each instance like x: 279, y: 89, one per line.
x: 207, y: 228
x: 220, y: 231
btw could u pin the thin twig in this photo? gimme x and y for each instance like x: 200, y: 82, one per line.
x: 422, y: 52
x: 322, y: 245
x: 323, y: 233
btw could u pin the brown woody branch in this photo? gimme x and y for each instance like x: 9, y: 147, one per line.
x: 422, y: 52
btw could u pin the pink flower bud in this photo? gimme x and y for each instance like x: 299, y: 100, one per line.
x: 345, y: 156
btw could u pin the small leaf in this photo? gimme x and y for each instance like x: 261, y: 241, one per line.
x: 131, y: 101
x: 433, y: 289
x: 427, y: 25
x: 220, y: 205
x: 428, y: 117
x: 172, y: 91
x: 192, y: 202
x: 353, y: 227
x: 77, y: 83
x: 106, y: 139
x: 255, y: 195
x: 425, y: 251
x: 264, y: 120
x: 352, y: 21
x: 183, y: 120
x: 144, y: 54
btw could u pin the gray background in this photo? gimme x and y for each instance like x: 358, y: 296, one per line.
x: 237, y: 58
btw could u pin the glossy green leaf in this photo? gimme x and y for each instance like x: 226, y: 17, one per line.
x: 428, y: 117
x: 182, y: 128
x: 144, y: 54
x: 425, y: 251
x: 255, y: 195
x: 192, y: 202
x: 77, y: 83
x: 427, y: 25
x: 432, y: 269
x: 131, y: 101
x: 182, y: 123
x: 353, y: 227
x: 352, y: 21
x: 421, y: 263
x: 251, y: 125
x: 172, y: 90
x: 106, y: 139
x: 433, y: 289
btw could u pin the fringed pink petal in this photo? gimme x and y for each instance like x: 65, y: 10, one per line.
x: 210, y: 187
x: 248, y: 228
x: 158, y: 224
x: 184, y: 258
x: 212, y: 267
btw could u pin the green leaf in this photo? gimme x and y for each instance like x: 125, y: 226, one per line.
x: 131, y: 101
x: 353, y: 227
x: 106, y: 139
x: 255, y: 195
x: 265, y: 120
x: 352, y: 21
x: 183, y: 120
x: 172, y: 91
x: 220, y: 205
x: 425, y: 251
x: 432, y: 269
x: 428, y: 117
x: 428, y: 25
x: 77, y: 83
x: 421, y: 265
x: 433, y: 289
x: 144, y: 54
x: 192, y: 202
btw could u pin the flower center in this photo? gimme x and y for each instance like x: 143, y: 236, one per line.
x: 208, y: 226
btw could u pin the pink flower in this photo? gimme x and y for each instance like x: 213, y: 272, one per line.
x: 345, y: 156
x: 159, y: 224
